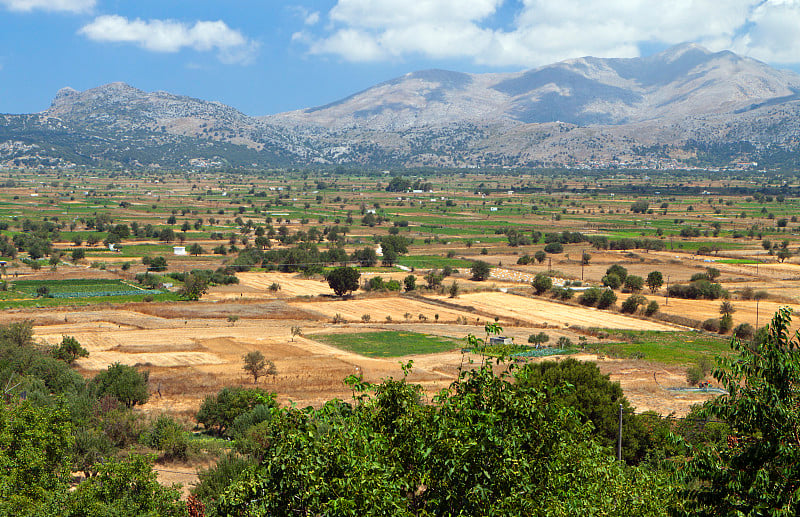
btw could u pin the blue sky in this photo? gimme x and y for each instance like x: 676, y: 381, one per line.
x: 267, y: 56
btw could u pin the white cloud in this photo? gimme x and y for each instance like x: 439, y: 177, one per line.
x: 172, y: 36
x: 75, y: 6
x: 543, y: 31
x: 312, y: 18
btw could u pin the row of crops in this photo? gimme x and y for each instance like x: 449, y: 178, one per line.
x: 79, y: 288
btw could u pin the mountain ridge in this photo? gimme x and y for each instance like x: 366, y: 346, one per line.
x: 576, y: 112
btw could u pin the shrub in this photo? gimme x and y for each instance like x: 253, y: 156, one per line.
x: 542, y: 283
x: 711, y: 325
x: 554, y: 247
x: 632, y: 303
x: 607, y: 299
x: 538, y: 339
x: 651, y: 308
x: 590, y: 296
x: 168, y: 436
x: 218, y: 412
x: 694, y: 374
x: 562, y: 293
x: 744, y: 331
x: 725, y: 323
x: 612, y: 281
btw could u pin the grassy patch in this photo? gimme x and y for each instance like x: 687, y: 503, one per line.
x: 432, y: 261
x: 390, y: 343
x: 665, y: 347
x: 738, y: 261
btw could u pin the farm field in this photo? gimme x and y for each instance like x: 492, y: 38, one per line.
x: 544, y: 312
x: 257, y: 249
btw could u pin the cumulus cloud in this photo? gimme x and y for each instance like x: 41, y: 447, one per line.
x: 75, y: 6
x: 543, y: 31
x: 172, y: 36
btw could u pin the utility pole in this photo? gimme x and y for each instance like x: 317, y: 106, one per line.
x: 583, y: 254
x: 619, y: 436
x: 757, y: 300
x: 666, y: 302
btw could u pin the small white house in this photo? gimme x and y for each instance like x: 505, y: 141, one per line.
x: 493, y: 209
x: 179, y: 250
x: 501, y: 340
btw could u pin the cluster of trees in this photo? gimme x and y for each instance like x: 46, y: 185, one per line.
x: 53, y: 423
x: 401, y: 184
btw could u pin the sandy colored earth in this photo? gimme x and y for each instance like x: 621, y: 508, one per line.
x: 542, y: 311
x: 705, y: 309
x: 381, y: 307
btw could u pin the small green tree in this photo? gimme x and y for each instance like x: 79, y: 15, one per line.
x: 19, y: 333
x: 78, y: 254
x: 633, y: 283
x: 410, y: 283
x: 607, y: 299
x: 69, y: 350
x: 256, y: 365
x: 453, y: 290
x: 195, y: 249
x: 194, y: 286
x: 540, y: 256
x: 296, y: 331
x: 538, y: 339
x: 542, y: 283
x: 480, y: 270
x: 654, y: 281
x: 612, y: 281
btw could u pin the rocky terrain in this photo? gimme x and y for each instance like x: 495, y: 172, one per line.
x: 684, y: 106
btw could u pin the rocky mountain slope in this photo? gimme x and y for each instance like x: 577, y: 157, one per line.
x: 682, y: 106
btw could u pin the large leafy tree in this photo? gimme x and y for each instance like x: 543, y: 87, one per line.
x: 124, y: 383
x: 595, y: 398
x: 35, y: 449
x: 343, y: 280
x: 757, y: 470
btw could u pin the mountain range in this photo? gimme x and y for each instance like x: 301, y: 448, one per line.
x: 684, y: 106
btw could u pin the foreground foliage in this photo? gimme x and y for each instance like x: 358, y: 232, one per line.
x: 488, y: 445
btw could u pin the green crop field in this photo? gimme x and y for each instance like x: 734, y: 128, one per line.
x: 433, y: 261
x: 390, y: 343
x: 683, y: 348
x: 83, y: 288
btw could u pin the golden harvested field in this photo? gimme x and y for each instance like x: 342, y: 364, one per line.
x: 378, y: 308
x: 291, y: 285
x: 542, y: 311
x: 705, y: 309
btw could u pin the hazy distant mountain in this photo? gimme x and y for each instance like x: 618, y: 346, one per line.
x: 682, y: 81
x: 684, y: 105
